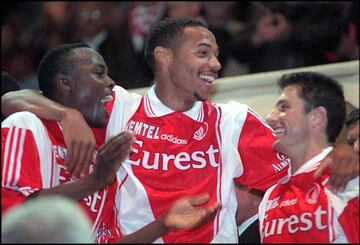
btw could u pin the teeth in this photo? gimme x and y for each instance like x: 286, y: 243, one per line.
x: 279, y: 130
x: 207, y: 78
x: 106, y: 98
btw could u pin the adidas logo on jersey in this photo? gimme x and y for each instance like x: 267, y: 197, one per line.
x: 201, y: 132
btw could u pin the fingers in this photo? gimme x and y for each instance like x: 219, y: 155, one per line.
x: 199, y: 199
x: 116, y: 150
x: 72, y: 157
x: 324, y: 164
x: 90, y: 152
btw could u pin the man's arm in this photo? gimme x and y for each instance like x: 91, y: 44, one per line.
x: 108, y: 160
x: 344, y: 164
x: 78, y: 137
x: 185, y: 213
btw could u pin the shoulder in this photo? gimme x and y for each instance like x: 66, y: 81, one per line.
x: 23, y: 119
x: 122, y: 93
x: 240, y: 113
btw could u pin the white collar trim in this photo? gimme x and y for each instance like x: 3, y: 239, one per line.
x: 155, y: 108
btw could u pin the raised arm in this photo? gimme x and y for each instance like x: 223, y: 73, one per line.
x: 185, y: 213
x: 344, y: 164
x: 78, y: 137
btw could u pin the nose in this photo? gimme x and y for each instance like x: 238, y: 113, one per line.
x: 109, y: 82
x: 356, y: 145
x: 215, y: 64
x: 273, y: 117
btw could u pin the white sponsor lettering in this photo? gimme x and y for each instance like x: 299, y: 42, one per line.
x: 284, y: 162
x: 92, y: 200
x: 289, y: 202
x: 60, y: 152
x: 152, y: 132
x: 303, y: 222
x: 182, y: 160
x: 143, y: 129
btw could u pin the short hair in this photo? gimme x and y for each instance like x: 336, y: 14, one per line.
x: 167, y: 33
x: 8, y: 83
x: 317, y: 89
x: 352, y: 118
x: 54, y: 62
x: 49, y: 219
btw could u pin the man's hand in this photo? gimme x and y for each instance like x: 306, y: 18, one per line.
x: 344, y: 164
x: 186, y: 213
x: 111, y: 155
x: 80, y: 142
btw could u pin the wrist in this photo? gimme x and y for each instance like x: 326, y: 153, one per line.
x: 95, y: 182
x: 163, y: 227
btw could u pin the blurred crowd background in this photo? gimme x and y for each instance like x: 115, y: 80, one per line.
x: 252, y: 36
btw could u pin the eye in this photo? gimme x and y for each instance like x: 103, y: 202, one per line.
x: 351, y: 142
x: 283, y: 107
x: 203, y: 53
x: 100, y: 72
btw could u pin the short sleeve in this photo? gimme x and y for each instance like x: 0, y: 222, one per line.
x: 262, y: 165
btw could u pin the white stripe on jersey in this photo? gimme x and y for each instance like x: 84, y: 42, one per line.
x: 19, y: 157
x: 219, y: 170
x: 8, y: 144
x: 12, y: 157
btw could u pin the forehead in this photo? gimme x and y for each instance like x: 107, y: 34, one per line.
x: 86, y: 56
x: 290, y: 91
x: 197, y: 35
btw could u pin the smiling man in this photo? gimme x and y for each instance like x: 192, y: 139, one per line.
x: 307, y: 118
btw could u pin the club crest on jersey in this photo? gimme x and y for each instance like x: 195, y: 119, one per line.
x: 313, y: 194
x: 201, y: 132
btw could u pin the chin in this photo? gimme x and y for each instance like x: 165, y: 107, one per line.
x: 278, y: 146
x: 200, y: 98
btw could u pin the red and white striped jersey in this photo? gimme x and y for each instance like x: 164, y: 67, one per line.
x: 33, y: 153
x: 303, y: 210
x: 183, y: 153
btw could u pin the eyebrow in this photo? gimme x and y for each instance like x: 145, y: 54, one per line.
x: 280, y: 102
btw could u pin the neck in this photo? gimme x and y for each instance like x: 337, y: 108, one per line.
x: 172, y: 98
x: 304, y: 152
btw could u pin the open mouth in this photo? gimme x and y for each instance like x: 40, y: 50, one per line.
x: 207, y: 78
x: 279, y: 131
x: 106, y: 99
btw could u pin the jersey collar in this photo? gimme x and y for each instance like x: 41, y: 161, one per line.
x: 155, y: 108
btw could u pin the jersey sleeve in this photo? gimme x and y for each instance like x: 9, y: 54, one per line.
x: 262, y: 165
x: 19, y: 166
x: 346, y: 205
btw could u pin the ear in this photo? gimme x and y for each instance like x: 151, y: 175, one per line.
x: 319, y: 116
x: 63, y: 82
x: 162, y: 56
